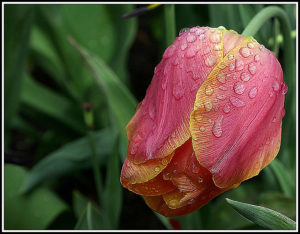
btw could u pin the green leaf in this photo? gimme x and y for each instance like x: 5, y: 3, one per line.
x: 92, y: 218
x: 33, y: 211
x: 52, y: 104
x: 73, y: 156
x: 262, y: 216
x: 17, y: 25
x: 119, y: 99
x: 283, y: 177
x: 112, y: 201
x: 279, y: 202
x: 79, y: 203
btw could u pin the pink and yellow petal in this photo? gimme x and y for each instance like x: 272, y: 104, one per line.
x: 157, y: 129
x: 154, y: 187
x: 234, y: 112
x: 140, y: 173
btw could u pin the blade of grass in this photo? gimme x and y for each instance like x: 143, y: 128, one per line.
x: 262, y: 216
x: 170, y: 24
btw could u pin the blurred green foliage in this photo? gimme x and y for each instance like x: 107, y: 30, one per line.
x: 58, y: 56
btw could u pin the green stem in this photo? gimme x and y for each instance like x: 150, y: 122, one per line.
x: 169, y: 11
x: 276, y: 32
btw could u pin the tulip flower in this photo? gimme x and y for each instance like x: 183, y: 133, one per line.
x: 211, y: 119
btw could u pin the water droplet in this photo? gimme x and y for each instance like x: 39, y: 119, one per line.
x: 208, y: 105
x: 199, y: 31
x: 239, y: 65
x: 190, y: 38
x: 212, y: 30
x: 256, y: 58
x: 222, y: 88
x: 183, y: 46
x: 245, y: 76
x: 221, y: 78
x: 226, y: 108
x: 210, y: 60
x: 250, y: 45
x: 133, y: 150
x: 274, y: 119
x: 208, y: 90
x: 202, y: 37
x: 239, y: 88
x: 202, y: 129
x: 169, y: 52
x: 283, y: 113
x: 221, y: 28
x: 174, y: 171
x: 195, y: 169
x: 252, y: 68
x: 237, y: 102
x: 245, y: 52
x: 230, y: 57
x: 261, y: 47
x: 191, y: 52
x: 200, y: 179
x: 191, y: 201
x: 183, y: 30
x: 164, y: 83
x: 222, y: 65
x: 271, y: 93
x: 217, y: 128
x: 175, y: 61
x: 231, y: 66
x: 164, y: 162
x: 178, y: 91
x: 218, y: 47
x: 284, y: 88
x: 253, y: 92
x: 157, y: 169
x: 221, y: 96
x: 173, y: 203
x: 215, y: 38
x: 275, y: 85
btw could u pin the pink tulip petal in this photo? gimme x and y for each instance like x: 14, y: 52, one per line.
x: 161, y: 123
x: 232, y: 125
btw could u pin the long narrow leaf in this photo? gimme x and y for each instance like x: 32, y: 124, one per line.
x: 73, y: 156
x: 262, y: 216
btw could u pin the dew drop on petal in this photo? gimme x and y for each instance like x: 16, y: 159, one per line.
x: 208, y: 105
x: 221, y: 96
x: 239, y: 88
x: 178, y: 92
x: 250, y: 45
x: 202, y: 129
x: 261, y: 47
x: 230, y: 57
x: 195, y: 169
x: 210, y: 60
x: 164, y: 83
x: 215, y: 38
x: 222, y: 88
x: 217, y: 128
x: 202, y: 36
x: 245, y: 52
x: 221, y: 78
x: 157, y: 169
x: 226, y: 108
x: 256, y: 58
x: 166, y: 176
x: 170, y: 51
x: 183, y: 46
x: 237, y: 102
x: 252, y: 68
x: 164, y: 162
x: 239, y: 65
x: 200, y: 179
x: 190, y: 38
x: 275, y: 85
x: 208, y: 90
x: 183, y: 30
x: 191, y: 52
x: 284, y: 88
x: 245, y: 76
x: 231, y: 66
x: 253, y: 92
